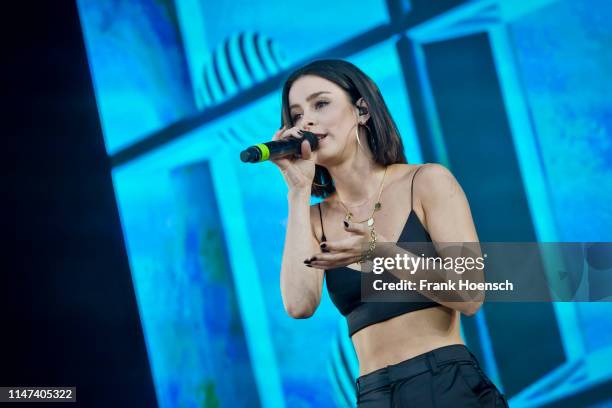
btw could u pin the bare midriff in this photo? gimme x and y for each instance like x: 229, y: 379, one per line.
x: 406, y: 336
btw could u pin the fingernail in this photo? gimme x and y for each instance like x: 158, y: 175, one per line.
x: 309, y: 265
x: 323, y: 245
x: 307, y: 261
x: 345, y: 224
x: 313, y: 259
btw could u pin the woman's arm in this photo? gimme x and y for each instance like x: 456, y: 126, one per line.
x: 300, y: 285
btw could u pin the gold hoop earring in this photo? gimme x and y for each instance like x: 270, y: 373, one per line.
x: 357, y: 135
x: 321, y: 185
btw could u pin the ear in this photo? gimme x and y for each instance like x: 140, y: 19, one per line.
x: 363, y: 111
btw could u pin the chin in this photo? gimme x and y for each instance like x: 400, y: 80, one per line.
x: 330, y: 153
x: 326, y: 159
x: 325, y: 152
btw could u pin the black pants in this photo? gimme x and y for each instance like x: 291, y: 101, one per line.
x: 448, y: 376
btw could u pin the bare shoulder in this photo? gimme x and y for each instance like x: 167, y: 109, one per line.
x: 402, y: 173
x: 434, y: 181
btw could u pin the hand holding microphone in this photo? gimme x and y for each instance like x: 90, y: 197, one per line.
x: 298, y: 169
x: 275, y: 149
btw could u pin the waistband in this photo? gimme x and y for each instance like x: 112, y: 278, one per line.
x: 429, y: 361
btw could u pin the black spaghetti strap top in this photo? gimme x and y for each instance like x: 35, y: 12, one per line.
x: 344, y: 283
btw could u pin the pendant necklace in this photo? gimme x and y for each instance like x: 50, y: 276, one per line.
x: 377, y: 206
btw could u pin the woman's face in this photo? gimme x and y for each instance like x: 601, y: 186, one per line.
x: 320, y: 106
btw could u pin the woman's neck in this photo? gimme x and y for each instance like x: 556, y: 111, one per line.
x: 356, y: 181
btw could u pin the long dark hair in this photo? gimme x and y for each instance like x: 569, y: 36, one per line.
x: 383, y: 137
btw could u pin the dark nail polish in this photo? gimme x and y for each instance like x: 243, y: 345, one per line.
x: 307, y: 261
x: 323, y: 245
x: 309, y: 265
x: 313, y: 259
x: 345, y: 223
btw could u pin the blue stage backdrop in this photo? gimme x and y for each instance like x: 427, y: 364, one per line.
x: 512, y: 96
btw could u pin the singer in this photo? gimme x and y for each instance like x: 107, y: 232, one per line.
x: 410, y: 354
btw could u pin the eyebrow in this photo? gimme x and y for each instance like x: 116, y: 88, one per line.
x: 314, y: 95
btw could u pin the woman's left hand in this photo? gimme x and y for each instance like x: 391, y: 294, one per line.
x: 335, y: 254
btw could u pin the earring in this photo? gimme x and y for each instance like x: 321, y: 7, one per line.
x: 321, y: 185
x: 357, y: 134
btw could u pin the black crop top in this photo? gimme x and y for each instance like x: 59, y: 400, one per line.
x: 344, y: 284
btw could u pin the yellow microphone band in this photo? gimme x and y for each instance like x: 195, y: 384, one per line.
x: 265, y: 152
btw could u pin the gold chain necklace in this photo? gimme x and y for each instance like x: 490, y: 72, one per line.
x: 377, y: 206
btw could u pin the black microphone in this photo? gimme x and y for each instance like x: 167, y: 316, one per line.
x: 278, y: 148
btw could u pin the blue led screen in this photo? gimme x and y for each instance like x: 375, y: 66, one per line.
x: 205, y: 232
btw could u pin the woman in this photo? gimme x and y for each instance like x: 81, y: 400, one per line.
x: 411, y: 353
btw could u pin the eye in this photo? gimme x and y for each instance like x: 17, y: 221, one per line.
x: 321, y: 103
x: 294, y: 117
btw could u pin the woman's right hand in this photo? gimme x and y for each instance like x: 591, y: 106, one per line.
x: 298, y: 172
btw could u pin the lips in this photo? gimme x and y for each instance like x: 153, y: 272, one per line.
x: 321, y: 135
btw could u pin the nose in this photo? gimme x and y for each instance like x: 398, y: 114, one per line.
x: 308, y: 125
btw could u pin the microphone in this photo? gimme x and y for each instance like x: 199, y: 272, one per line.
x: 278, y: 148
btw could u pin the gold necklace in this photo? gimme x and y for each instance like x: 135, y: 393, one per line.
x: 377, y: 206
